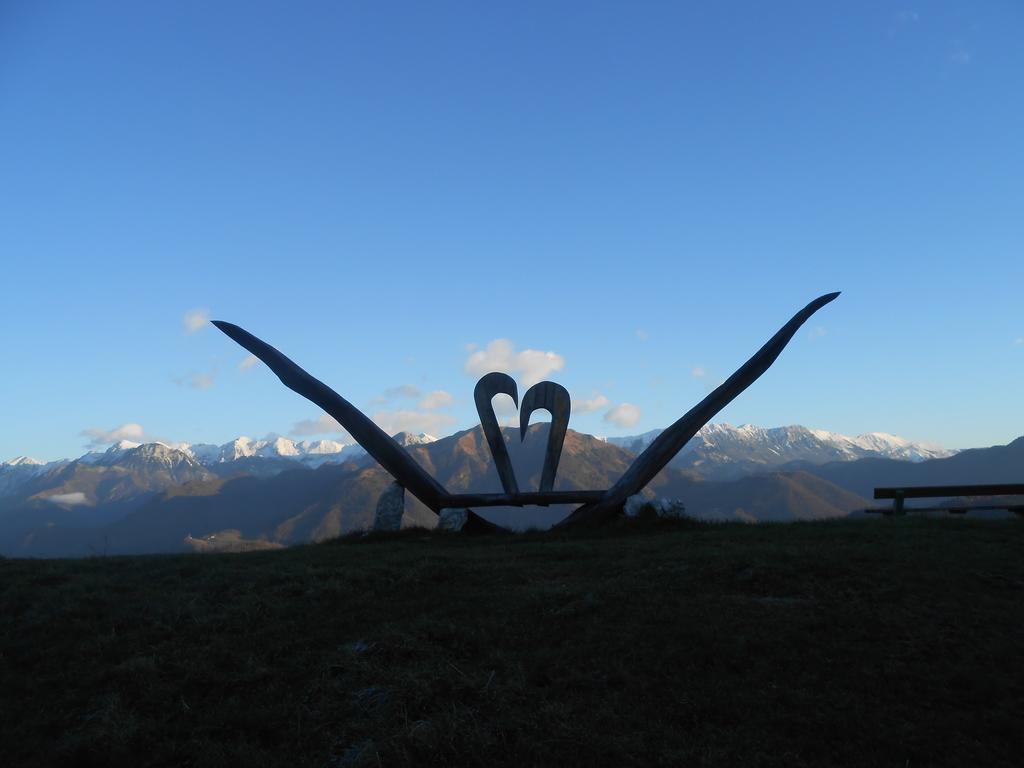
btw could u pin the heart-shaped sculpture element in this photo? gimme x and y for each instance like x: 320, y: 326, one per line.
x: 547, y: 396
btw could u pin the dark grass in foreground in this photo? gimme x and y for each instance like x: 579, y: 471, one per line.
x: 892, y: 642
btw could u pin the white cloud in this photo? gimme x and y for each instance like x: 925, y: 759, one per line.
x: 529, y: 366
x: 642, y: 335
x: 195, y: 320
x: 412, y: 421
x: 698, y: 372
x: 101, y: 437
x: 817, y: 332
x: 1019, y: 341
x: 595, y: 403
x: 68, y: 499
x: 248, y: 363
x: 623, y: 415
x: 436, y: 399
x: 323, y: 425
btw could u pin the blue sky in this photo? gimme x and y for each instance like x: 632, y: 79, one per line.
x: 646, y: 191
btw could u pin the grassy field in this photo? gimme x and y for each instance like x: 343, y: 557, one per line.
x: 896, y: 642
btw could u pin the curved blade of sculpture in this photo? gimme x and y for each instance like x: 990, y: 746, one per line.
x: 553, y: 398
x: 670, y: 442
x: 372, y: 438
x: 490, y: 385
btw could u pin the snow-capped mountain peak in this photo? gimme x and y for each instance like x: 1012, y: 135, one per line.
x: 724, y: 451
x: 717, y: 451
x: 407, y: 438
x: 277, y: 446
x: 123, y: 445
x: 238, y: 448
x: 110, y: 454
x: 899, y: 448
x: 320, y: 447
x: 23, y: 461
x: 311, y: 453
x: 151, y: 455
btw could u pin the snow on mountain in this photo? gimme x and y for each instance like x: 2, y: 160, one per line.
x: 277, y: 447
x: 829, y: 446
x: 21, y: 469
x: 147, y: 456
x: 238, y: 448
x: 321, y: 447
x: 897, y: 448
x: 23, y: 461
x: 244, y: 447
x: 124, y: 445
x: 718, y: 451
x: 111, y: 454
x: 407, y: 438
x: 315, y: 453
x: 312, y: 453
x: 723, y: 451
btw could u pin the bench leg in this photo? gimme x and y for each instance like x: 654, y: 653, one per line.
x: 897, y: 506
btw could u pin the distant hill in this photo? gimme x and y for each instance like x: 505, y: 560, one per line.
x: 88, y: 494
x: 772, y: 497
x: 159, y: 499
x: 998, y: 464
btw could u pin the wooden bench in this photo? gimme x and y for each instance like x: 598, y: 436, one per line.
x: 899, y: 495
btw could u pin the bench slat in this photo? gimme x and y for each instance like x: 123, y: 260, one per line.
x: 1016, y: 508
x: 949, y: 491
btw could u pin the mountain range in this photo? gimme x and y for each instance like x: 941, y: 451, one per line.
x: 259, y: 493
x: 724, y: 452
x: 718, y: 451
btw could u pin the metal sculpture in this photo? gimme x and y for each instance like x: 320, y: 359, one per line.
x: 596, y: 506
x: 490, y: 385
x: 554, y: 399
